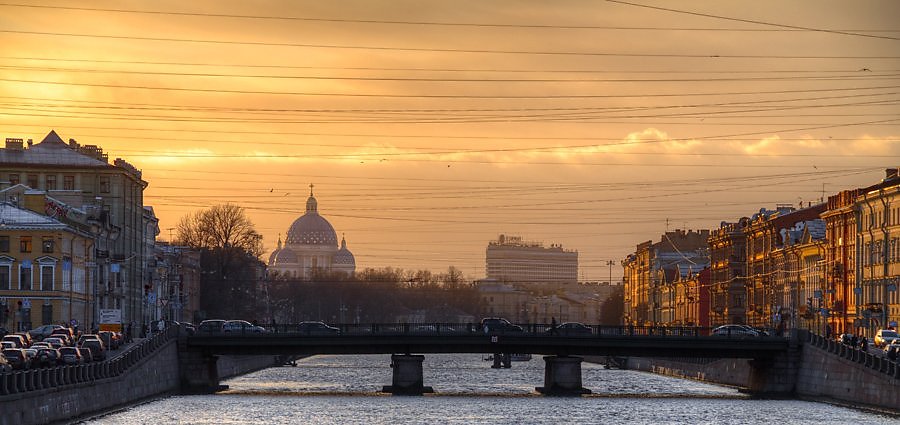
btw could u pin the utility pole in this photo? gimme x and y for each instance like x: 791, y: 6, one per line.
x: 610, y: 263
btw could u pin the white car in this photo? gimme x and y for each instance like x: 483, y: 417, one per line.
x: 736, y: 331
x: 884, y: 337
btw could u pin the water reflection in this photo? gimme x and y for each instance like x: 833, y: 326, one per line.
x: 342, y: 389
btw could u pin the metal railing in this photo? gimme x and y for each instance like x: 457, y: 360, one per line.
x: 856, y: 355
x: 441, y: 329
x: 22, y: 381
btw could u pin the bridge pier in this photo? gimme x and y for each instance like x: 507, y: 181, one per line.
x: 407, y: 375
x: 562, y: 376
x: 199, y: 373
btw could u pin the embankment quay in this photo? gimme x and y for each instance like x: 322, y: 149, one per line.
x: 801, y: 365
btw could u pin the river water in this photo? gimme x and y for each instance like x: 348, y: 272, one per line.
x: 343, y: 390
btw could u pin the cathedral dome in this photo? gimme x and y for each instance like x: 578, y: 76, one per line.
x: 283, y: 256
x: 311, y: 228
x: 344, y: 256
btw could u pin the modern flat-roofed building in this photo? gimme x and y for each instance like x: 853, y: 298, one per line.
x: 513, y: 260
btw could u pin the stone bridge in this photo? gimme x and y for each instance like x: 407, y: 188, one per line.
x: 773, y: 359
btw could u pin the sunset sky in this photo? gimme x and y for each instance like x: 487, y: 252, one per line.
x: 430, y: 127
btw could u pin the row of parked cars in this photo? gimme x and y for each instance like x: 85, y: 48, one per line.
x: 54, y: 345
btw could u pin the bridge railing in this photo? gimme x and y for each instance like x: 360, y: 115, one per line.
x: 855, y: 354
x: 21, y: 381
x: 440, y: 329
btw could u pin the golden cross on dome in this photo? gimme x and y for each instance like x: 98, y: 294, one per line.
x: 311, y: 189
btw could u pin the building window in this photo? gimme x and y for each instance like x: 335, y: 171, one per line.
x: 13, y: 179
x: 68, y: 182
x: 104, y: 184
x: 50, y: 182
x: 33, y: 181
x: 4, y: 243
x: 25, y: 278
x: 47, y: 278
x: 47, y: 245
x: 25, y: 244
x: 4, y: 277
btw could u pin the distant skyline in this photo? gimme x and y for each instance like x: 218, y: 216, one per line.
x: 429, y: 128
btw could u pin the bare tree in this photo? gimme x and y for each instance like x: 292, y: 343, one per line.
x: 230, y: 250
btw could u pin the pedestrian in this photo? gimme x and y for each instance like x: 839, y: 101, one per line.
x: 128, y: 333
x: 854, y: 341
x: 161, y: 325
x: 864, y: 344
x: 828, y: 331
x: 553, y: 325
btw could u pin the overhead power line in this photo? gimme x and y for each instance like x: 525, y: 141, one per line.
x: 466, y: 70
x: 854, y: 76
x: 751, y: 21
x: 427, y: 23
x: 446, y: 50
x: 441, y: 96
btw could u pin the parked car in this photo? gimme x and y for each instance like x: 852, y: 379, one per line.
x: 28, y: 339
x: 41, y: 332
x: 736, y: 331
x: 884, y: 337
x: 571, y: 329
x: 7, y: 344
x: 98, y: 351
x: 68, y: 333
x: 48, y: 357
x: 5, y: 366
x: 317, y: 328
x: 16, y: 339
x: 55, y: 342
x: 71, y: 356
x: 87, y: 355
x: 17, y: 358
x: 32, y: 353
x: 85, y: 337
x: 210, y: 327
x: 241, y: 326
x: 499, y: 325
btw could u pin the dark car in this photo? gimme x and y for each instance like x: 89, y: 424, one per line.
x: 98, y: 351
x: 317, y: 328
x: 17, y: 358
x: 41, y: 332
x: 56, y: 341
x: 68, y: 332
x: 242, y: 327
x: 48, y: 357
x: 211, y: 327
x: 4, y: 364
x: 499, y: 325
x: 71, y: 356
x: 571, y: 329
x: 87, y: 355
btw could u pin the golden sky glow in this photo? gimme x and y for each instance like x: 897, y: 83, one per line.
x: 429, y: 127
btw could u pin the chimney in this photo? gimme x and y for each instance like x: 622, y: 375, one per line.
x: 30, y: 143
x: 13, y: 144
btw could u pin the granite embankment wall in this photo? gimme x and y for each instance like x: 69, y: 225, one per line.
x: 143, y: 371
x: 827, y: 371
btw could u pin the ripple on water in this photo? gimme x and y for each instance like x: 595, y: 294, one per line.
x: 341, y: 390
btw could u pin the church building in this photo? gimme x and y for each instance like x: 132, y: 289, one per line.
x: 311, y: 247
